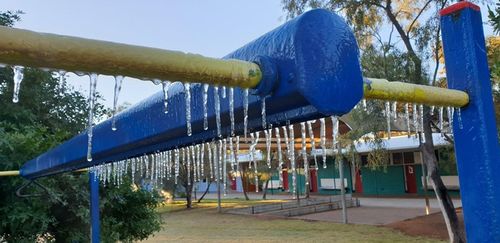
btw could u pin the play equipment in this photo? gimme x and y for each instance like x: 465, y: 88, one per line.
x: 306, y: 69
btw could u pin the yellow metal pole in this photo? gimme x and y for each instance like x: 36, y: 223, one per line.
x: 41, y: 50
x: 9, y: 173
x: 16, y: 172
x: 413, y: 93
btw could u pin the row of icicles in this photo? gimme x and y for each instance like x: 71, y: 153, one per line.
x: 209, y: 161
x: 164, y: 157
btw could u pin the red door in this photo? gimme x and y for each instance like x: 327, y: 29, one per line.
x: 411, y: 179
x: 285, y: 180
x: 359, y: 181
x: 313, y: 180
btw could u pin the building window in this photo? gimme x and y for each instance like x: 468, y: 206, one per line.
x: 397, y: 158
x: 364, y: 160
x: 408, y: 158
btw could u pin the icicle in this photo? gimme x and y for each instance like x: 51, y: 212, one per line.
x: 280, y: 156
x: 91, y: 100
x: 395, y: 110
x: 245, y: 113
x: 201, y: 151
x: 187, y: 95
x: 322, y: 135
x: 231, y: 109
x: 421, y: 116
x: 118, y: 87
x: 268, y: 135
x: 132, y: 174
x: 18, y: 78
x: 195, y: 163
x: 224, y: 92
x: 165, y: 87
x: 335, y: 132
x: 217, y: 111
x: 176, y: 161
x: 364, y: 105
x: 156, y: 81
x: 236, y: 153
x: 432, y: 110
x: 415, y: 118
x: 62, y: 80
x: 304, y: 153
x: 231, y: 156
x: 407, y: 118
x: 263, y: 112
x: 388, y: 118
x: 210, y: 162
x: 255, y: 141
x: 224, y: 166
x: 205, y: 106
x: 187, y: 160
x: 450, y: 117
x: 441, y: 120
x: 313, y: 143
x: 291, y: 149
x: 216, y: 161
x: 219, y: 159
x: 287, y: 143
x: 459, y: 118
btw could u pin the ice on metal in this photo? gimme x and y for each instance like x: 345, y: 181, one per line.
x: 118, y: 88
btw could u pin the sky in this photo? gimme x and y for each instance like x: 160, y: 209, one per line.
x: 210, y: 28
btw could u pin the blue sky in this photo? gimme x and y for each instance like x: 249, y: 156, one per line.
x: 210, y: 28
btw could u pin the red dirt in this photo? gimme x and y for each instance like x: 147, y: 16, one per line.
x: 432, y: 226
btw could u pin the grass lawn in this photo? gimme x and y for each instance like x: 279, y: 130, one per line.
x: 204, y: 224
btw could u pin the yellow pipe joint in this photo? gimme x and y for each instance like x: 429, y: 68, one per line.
x: 73, y: 54
x: 413, y: 93
x: 9, y: 173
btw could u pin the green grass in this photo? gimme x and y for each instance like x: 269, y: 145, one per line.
x: 204, y: 224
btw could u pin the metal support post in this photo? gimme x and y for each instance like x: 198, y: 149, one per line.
x: 94, y: 208
x: 475, y: 132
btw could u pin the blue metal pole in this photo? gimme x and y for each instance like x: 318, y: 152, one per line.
x: 476, y: 143
x: 94, y: 208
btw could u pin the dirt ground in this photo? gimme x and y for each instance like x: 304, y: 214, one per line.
x: 432, y: 226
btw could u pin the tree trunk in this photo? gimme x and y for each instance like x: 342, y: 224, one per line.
x: 242, y: 174
x: 445, y: 202
x: 189, y: 199
x: 265, y: 189
x: 206, y: 191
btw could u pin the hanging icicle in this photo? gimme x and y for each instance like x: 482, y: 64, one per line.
x: 322, y: 135
x: 415, y: 118
x: 245, y: 113
x: 407, y: 118
x: 263, y: 112
x: 18, y: 78
x: 231, y: 109
x: 236, y: 153
x: 210, y: 162
x: 304, y: 153
x: 335, y: 131
x: 395, y: 110
x: 280, y: 156
x: 165, y: 86
x: 224, y: 165
x: 268, y: 135
x: 217, y: 111
x: 255, y: 140
x: 205, y: 106
x: 388, y: 118
x: 291, y: 149
x: 90, y: 124
x: 118, y: 88
x: 459, y: 118
x: 224, y: 92
x: 421, y: 116
x: 62, y: 81
x: 313, y: 143
x: 450, y: 118
x: 187, y: 96
x: 231, y: 156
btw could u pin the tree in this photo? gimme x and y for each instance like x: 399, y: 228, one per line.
x: 494, y: 16
x: 415, y: 32
x: 47, y: 114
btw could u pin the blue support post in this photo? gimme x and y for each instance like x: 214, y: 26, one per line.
x: 95, y: 230
x: 310, y: 69
x: 476, y: 143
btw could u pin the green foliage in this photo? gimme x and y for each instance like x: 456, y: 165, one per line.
x: 47, y: 114
x: 124, y: 209
x: 494, y: 16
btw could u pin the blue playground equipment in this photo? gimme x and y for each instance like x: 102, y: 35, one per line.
x: 310, y: 70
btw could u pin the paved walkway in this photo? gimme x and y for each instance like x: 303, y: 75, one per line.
x: 373, y: 211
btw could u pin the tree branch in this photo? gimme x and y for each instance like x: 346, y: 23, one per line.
x: 418, y: 16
